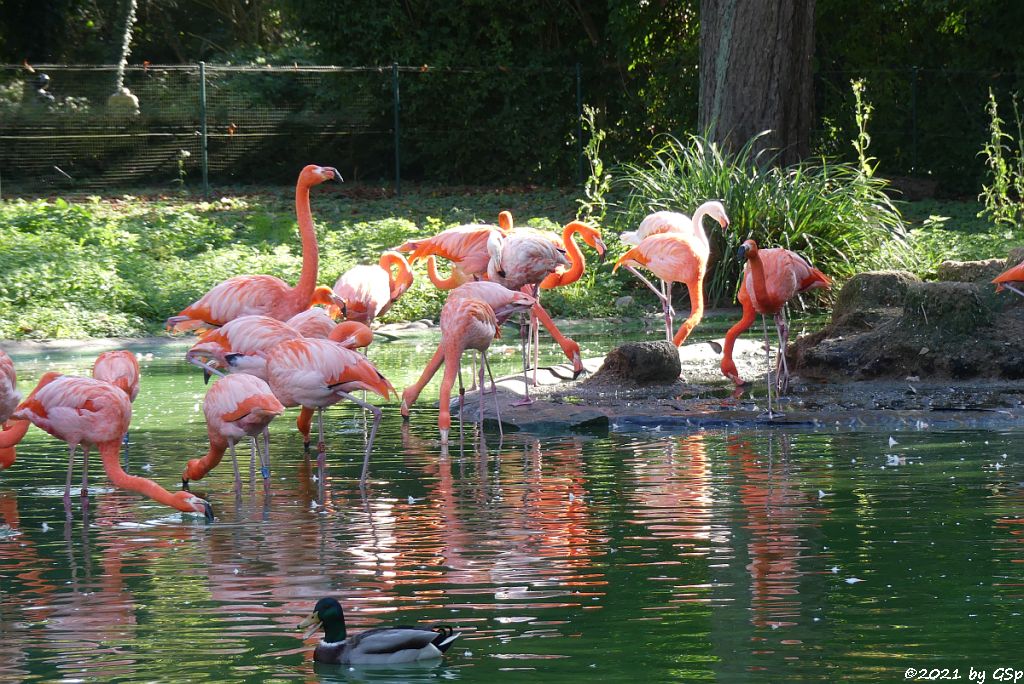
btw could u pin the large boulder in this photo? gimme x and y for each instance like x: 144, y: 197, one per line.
x: 872, y: 290
x: 970, y: 271
x: 945, y: 309
x: 649, y: 362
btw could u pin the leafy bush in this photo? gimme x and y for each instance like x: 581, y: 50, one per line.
x: 838, y: 218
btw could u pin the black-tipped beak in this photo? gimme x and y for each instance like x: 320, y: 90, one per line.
x: 208, y: 512
x: 184, y: 485
x: 741, y: 253
x: 602, y: 251
x: 206, y: 377
x: 337, y: 175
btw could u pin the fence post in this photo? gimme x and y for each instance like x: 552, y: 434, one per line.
x: 397, y: 105
x: 913, y: 119
x: 579, y: 124
x: 202, y: 128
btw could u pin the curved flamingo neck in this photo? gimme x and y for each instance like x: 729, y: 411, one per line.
x: 111, y: 453
x: 572, y: 251
x: 698, y: 225
x: 303, y: 291
x: 757, y: 278
x: 197, y: 468
x: 397, y: 282
x: 452, y: 281
x: 11, y: 433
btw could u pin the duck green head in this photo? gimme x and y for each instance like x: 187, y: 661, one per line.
x: 327, y: 613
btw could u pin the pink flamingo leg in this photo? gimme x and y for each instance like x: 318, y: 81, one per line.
x: 768, y: 369
x: 373, y: 431
x: 321, y: 446
x: 783, y: 367
x: 67, y: 482
x: 523, y: 334
x: 85, y: 470
x: 667, y: 306
x: 497, y: 410
x: 234, y: 462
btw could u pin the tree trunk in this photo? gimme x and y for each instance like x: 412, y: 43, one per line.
x: 755, y: 73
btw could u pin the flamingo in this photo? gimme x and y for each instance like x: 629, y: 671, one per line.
x: 314, y: 322
x: 1011, y: 279
x: 241, y: 345
x: 365, y: 292
x: 92, y: 413
x: 770, y: 279
x: 318, y: 373
x: 262, y: 294
x: 466, y: 246
x: 687, y: 263
x: 237, y: 406
x: 121, y: 369
x: 10, y: 397
x: 466, y: 323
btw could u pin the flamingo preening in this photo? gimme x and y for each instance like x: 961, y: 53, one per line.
x: 91, y: 413
x: 236, y: 407
x: 466, y: 323
x: 263, y: 294
x: 771, y: 278
x: 10, y: 397
x: 314, y: 322
x: 1012, y: 279
x: 466, y: 246
x: 316, y: 373
x: 677, y: 255
x: 676, y: 249
x: 365, y: 292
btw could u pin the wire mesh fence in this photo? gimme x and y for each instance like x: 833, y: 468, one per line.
x: 199, y: 126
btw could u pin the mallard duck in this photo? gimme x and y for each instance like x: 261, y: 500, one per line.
x: 381, y: 646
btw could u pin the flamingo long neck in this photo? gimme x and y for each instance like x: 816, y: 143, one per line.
x: 757, y: 277
x: 698, y: 226
x: 569, y: 347
x: 749, y: 315
x: 197, y: 468
x: 111, y: 453
x: 451, y: 282
x: 11, y: 433
x: 576, y: 260
x: 303, y: 292
x: 396, y: 281
x: 412, y: 392
x: 452, y: 363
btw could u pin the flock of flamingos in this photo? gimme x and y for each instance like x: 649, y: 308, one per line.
x: 274, y: 347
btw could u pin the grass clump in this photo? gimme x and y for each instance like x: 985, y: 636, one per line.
x: 833, y: 214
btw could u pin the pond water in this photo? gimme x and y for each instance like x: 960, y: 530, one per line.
x: 708, y: 555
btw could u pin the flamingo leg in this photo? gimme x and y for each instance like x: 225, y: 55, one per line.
x: 373, y: 431
x: 523, y: 334
x: 768, y: 368
x: 782, y: 371
x: 535, y: 343
x: 234, y: 463
x: 497, y: 411
x: 85, y: 470
x: 1011, y: 288
x: 667, y: 306
x: 462, y: 402
x: 253, y: 446
x: 321, y: 446
x: 661, y: 295
x: 265, y: 458
x: 67, y: 482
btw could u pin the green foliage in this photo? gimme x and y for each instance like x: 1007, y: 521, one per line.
x: 593, y: 205
x: 831, y: 213
x: 942, y: 230
x: 1003, y: 196
x: 862, y: 115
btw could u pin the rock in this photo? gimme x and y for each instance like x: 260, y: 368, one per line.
x: 641, y: 362
x: 872, y: 290
x: 945, y: 308
x: 1016, y: 256
x: 970, y: 271
x: 624, y: 302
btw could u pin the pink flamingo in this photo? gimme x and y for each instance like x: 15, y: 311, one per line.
x: 241, y: 345
x: 770, y: 279
x: 1011, y: 279
x: 318, y: 373
x: 10, y: 397
x: 236, y: 407
x: 676, y: 249
x: 121, y: 369
x: 365, y: 292
x: 92, y: 413
x: 465, y: 246
x: 466, y: 323
x: 262, y: 294
x: 315, y: 322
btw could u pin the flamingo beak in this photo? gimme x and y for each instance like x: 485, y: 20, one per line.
x: 313, y: 622
x: 577, y: 365
x: 601, y: 250
x: 208, y: 512
x: 741, y: 253
x: 337, y: 174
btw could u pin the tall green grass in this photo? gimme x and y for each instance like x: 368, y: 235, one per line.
x: 837, y: 217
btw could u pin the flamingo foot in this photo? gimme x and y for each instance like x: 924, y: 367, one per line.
x: 525, y: 401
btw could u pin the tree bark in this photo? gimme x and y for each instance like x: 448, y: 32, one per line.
x: 755, y: 74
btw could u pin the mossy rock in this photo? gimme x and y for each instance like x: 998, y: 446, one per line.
x: 945, y: 308
x: 656, y: 362
x: 873, y: 290
x: 970, y: 271
x: 1015, y: 257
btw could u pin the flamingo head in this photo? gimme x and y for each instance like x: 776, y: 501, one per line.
x: 592, y: 236
x: 716, y: 211
x: 505, y: 222
x: 729, y: 370
x: 188, y: 502
x: 747, y: 250
x: 572, y: 350
x: 315, y: 175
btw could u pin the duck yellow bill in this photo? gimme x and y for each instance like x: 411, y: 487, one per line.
x: 313, y: 622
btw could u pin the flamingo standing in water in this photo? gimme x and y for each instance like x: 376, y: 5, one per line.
x: 676, y: 249
x: 365, y: 292
x: 241, y: 345
x: 91, y: 413
x: 770, y: 279
x: 236, y: 407
x: 262, y: 294
x: 10, y: 397
x: 121, y: 369
x: 1011, y: 279
x: 315, y: 374
x: 466, y: 323
x: 466, y: 246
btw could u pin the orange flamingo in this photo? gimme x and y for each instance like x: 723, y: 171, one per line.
x: 770, y: 279
x: 676, y: 249
x: 92, y: 413
x: 318, y: 373
x: 466, y: 323
x: 1012, y: 279
x: 240, y: 345
x: 10, y: 397
x: 263, y: 294
x: 314, y: 322
x: 365, y: 292
x: 465, y: 246
x: 236, y: 407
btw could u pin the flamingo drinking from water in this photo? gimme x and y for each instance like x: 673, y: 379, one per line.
x: 91, y: 413
x: 770, y: 279
x: 263, y: 294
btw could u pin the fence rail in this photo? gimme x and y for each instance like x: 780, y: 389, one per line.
x: 214, y: 125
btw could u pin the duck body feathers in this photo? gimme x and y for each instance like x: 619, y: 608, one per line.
x: 387, y: 646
